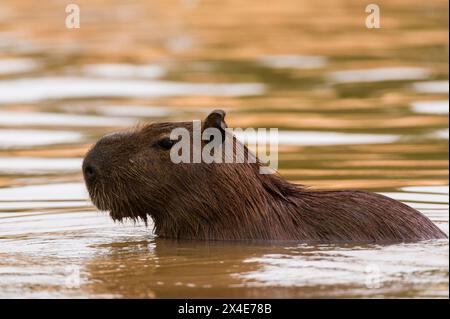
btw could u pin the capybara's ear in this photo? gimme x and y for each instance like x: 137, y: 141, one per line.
x: 216, y: 119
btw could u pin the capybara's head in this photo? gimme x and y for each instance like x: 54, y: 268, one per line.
x: 131, y: 174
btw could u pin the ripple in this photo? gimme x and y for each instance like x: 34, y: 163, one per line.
x: 60, y: 191
x: 316, y: 138
x: 431, y: 87
x: 428, y: 206
x: 21, y: 138
x: 37, y: 89
x: 30, y: 165
x: 120, y: 70
x: 432, y: 107
x: 55, y: 119
x: 293, y: 61
x: 417, y: 263
x: 379, y: 75
x: 427, y: 189
x: 10, y: 66
x: 15, y: 206
x: 133, y: 110
x: 42, y: 223
x: 418, y: 197
x: 441, y: 134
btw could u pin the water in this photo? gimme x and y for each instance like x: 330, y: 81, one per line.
x: 356, y: 108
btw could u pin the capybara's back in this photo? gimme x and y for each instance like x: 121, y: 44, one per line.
x: 357, y: 216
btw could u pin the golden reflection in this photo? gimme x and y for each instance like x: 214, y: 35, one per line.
x: 178, y: 269
x: 311, y: 121
x: 391, y: 163
x: 358, y: 172
x: 226, y: 42
x: 378, y: 184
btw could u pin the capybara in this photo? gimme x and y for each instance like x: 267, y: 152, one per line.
x: 131, y: 175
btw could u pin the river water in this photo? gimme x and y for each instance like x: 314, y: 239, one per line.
x: 356, y: 108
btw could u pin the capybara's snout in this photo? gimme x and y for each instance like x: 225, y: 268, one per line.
x: 91, y: 169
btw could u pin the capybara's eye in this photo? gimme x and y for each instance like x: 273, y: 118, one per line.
x: 166, y: 143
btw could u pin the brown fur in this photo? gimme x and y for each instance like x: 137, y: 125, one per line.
x: 131, y: 177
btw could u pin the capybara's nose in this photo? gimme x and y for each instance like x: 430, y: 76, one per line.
x: 90, y: 172
x: 90, y: 168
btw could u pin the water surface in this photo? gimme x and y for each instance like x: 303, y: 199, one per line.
x: 356, y: 108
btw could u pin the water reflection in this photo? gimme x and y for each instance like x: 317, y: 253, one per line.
x: 35, y: 165
x: 62, y: 191
x: 293, y: 61
x: 124, y: 71
x: 34, y: 90
x: 162, y: 268
x: 55, y: 119
x: 433, y: 107
x: 125, y: 260
x: 25, y: 138
x: 355, y: 108
x: 134, y: 110
x: 11, y: 66
x: 379, y: 75
x: 316, y: 138
x: 431, y: 87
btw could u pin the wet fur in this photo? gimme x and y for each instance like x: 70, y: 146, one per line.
x: 235, y: 202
